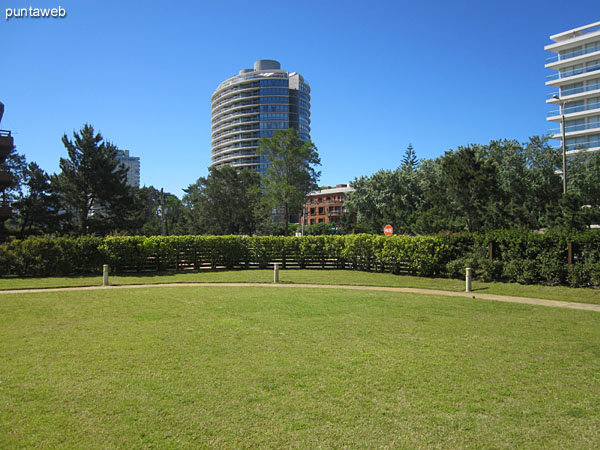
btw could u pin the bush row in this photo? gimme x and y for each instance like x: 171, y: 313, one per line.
x: 518, y: 256
x: 39, y: 256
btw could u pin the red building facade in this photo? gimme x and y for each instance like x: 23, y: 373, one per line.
x: 326, y: 205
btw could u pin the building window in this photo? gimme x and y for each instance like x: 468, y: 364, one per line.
x: 312, y: 221
x: 321, y: 210
x: 575, y: 125
x: 312, y: 211
x: 321, y: 220
x: 592, y: 65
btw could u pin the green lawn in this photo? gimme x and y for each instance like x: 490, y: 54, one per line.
x: 251, y: 367
x: 344, y: 277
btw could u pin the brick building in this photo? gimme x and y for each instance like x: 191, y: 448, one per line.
x: 326, y: 205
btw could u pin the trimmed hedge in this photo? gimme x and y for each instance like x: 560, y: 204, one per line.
x: 43, y: 257
x: 519, y: 256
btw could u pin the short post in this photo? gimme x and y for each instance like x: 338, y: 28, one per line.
x: 276, y: 273
x: 468, y: 280
x: 570, y: 254
x: 105, y: 275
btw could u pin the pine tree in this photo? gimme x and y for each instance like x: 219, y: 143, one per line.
x: 410, y: 161
x: 92, y: 184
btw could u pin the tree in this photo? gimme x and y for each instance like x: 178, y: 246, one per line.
x: 373, y: 200
x: 37, y: 208
x: 146, y: 215
x: 387, y: 197
x: 225, y: 202
x: 435, y: 212
x: 580, y: 206
x: 291, y: 175
x: 16, y: 165
x: 528, y: 182
x: 92, y: 184
x: 471, y: 183
x: 409, y: 160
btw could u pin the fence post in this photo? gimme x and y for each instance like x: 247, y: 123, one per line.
x: 468, y: 280
x: 570, y: 255
x: 105, y: 275
x: 276, y: 273
x: 491, y: 246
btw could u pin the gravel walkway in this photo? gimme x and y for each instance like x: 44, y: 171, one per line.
x: 473, y: 295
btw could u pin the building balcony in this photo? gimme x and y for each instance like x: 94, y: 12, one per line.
x: 242, y: 111
x: 574, y: 37
x: 575, y: 151
x: 235, y: 97
x: 218, y: 143
x: 6, y: 179
x: 235, y: 130
x: 247, y: 118
x: 239, y: 146
x: 574, y: 113
x: 580, y: 58
x: 6, y: 144
x: 229, y: 157
x: 239, y: 79
x: 572, y: 96
x: 557, y: 79
x: 575, y: 131
x: 229, y: 92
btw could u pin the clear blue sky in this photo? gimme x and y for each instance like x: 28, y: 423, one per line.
x: 383, y: 74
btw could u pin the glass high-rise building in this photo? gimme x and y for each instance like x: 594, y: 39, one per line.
x: 255, y: 103
x: 577, y: 82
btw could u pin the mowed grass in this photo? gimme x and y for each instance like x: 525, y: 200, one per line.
x: 201, y: 367
x: 341, y: 277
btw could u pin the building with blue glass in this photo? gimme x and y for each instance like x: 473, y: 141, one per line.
x: 256, y: 103
x: 577, y: 83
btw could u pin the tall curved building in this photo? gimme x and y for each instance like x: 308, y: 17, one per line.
x: 256, y: 103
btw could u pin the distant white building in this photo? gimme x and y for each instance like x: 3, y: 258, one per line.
x: 133, y: 164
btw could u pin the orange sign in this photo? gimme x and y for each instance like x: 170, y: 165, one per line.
x: 388, y: 230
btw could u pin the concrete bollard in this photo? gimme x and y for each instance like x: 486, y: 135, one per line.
x: 105, y: 275
x: 468, y: 280
x: 276, y: 273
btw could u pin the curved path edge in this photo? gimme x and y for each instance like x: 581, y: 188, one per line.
x: 473, y: 295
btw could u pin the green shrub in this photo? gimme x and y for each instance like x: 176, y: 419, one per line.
x: 129, y: 253
x: 265, y: 249
x: 519, y: 256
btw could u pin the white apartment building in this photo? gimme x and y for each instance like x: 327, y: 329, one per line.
x: 133, y: 164
x: 577, y: 82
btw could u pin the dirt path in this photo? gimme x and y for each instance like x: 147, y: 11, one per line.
x: 473, y: 295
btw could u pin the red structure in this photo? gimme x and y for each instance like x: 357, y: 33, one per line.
x: 326, y: 205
